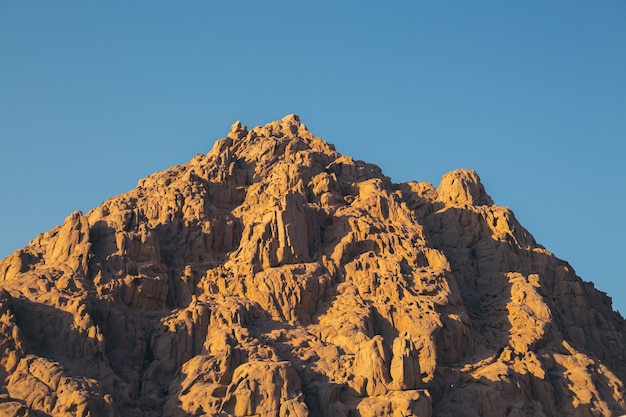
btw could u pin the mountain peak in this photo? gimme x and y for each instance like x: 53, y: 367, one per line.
x: 237, y: 130
x: 288, y: 126
x: 463, y: 186
x: 292, y: 118
x: 274, y: 276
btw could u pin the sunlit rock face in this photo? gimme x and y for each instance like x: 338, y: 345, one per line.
x: 275, y: 277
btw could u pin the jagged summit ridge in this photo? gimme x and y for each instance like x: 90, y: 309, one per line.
x: 274, y: 276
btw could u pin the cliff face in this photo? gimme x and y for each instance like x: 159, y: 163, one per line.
x: 275, y: 277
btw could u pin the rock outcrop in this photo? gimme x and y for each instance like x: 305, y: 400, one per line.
x: 275, y: 277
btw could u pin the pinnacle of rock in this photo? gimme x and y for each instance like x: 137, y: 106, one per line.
x: 274, y: 276
x: 294, y: 118
x: 463, y: 186
x: 237, y: 130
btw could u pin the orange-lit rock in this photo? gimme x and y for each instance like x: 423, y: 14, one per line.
x: 275, y: 277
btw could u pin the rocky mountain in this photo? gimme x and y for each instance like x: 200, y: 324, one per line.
x: 275, y: 277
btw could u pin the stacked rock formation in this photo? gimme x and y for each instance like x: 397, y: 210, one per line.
x: 275, y: 277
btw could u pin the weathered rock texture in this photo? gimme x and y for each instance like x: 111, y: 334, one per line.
x: 275, y: 277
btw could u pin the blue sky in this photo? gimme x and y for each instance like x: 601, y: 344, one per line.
x: 96, y: 95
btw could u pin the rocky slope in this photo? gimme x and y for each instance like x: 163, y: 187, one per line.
x: 275, y: 277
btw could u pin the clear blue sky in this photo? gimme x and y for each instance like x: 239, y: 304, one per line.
x: 532, y: 94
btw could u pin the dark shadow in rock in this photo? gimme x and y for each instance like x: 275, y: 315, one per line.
x: 324, y: 397
x: 72, y: 357
x: 477, y: 260
x: 51, y: 333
